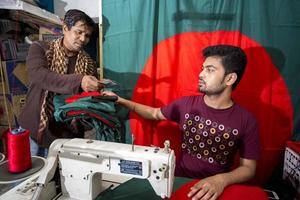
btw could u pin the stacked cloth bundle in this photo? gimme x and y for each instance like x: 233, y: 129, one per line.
x: 93, y: 109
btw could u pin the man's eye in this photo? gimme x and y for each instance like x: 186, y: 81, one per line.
x: 77, y: 32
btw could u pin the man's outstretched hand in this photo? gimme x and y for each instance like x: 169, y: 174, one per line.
x: 90, y: 83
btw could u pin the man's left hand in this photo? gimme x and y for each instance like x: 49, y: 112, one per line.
x: 209, y: 188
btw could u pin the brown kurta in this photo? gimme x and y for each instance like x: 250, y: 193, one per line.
x: 41, y: 79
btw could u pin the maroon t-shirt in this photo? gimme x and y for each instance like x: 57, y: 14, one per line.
x: 211, y: 137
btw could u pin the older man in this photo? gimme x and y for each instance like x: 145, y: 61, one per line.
x: 57, y: 67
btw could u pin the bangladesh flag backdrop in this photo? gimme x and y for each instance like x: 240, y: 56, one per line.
x: 152, y: 48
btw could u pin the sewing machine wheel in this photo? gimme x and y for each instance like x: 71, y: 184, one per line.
x: 6, y: 177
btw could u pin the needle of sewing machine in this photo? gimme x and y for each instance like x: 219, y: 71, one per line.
x: 132, y: 140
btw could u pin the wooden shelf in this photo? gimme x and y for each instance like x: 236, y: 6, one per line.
x: 34, y: 13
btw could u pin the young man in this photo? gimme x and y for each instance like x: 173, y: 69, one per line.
x: 57, y: 67
x: 213, y: 126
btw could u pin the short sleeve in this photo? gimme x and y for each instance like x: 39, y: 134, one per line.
x: 250, y: 145
x: 172, y: 111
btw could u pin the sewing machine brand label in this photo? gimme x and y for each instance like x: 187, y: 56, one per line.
x: 131, y: 167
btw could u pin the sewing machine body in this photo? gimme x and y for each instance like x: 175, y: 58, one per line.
x: 82, y: 162
x: 25, y: 189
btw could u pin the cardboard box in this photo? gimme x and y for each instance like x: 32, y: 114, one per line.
x: 15, y: 104
x: 18, y: 103
x: 6, y: 111
x: 3, y: 82
x: 13, y: 98
x: 15, y: 78
x: 3, y: 131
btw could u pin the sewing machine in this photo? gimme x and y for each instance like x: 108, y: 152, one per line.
x: 82, y: 162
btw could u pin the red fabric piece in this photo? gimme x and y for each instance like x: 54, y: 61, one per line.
x: 232, y: 192
x: 79, y: 112
x: 294, y: 145
x: 81, y: 95
x: 173, y: 70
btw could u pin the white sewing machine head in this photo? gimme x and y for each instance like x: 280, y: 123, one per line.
x: 82, y: 161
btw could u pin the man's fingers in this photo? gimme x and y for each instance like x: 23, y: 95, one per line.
x: 94, y: 78
x: 195, y: 189
x: 100, y: 86
x: 192, y: 192
x: 205, y: 192
x: 214, y: 197
x: 209, y: 194
x: 198, y: 193
x: 91, y: 83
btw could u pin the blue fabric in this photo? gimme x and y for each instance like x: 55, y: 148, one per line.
x: 36, y: 150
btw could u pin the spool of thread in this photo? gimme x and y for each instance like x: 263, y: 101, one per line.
x: 18, y: 150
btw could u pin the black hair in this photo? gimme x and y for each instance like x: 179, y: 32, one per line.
x: 72, y: 16
x: 233, y: 59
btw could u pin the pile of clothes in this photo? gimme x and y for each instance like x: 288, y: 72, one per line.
x: 93, y: 109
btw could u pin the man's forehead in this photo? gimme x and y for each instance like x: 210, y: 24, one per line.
x: 215, y: 61
x: 81, y: 25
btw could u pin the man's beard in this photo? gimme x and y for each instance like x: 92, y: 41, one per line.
x: 214, y: 91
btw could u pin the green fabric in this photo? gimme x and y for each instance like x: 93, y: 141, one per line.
x: 85, y: 104
x: 137, y: 189
x: 103, y: 108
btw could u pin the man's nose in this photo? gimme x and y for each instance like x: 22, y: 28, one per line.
x: 83, y: 38
x: 201, y: 74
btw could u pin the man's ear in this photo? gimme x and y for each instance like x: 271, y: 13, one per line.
x: 231, y: 78
x: 64, y: 28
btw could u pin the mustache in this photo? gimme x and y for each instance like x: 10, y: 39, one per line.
x: 79, y: 43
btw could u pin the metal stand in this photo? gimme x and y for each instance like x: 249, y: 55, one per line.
x: 6, y: 177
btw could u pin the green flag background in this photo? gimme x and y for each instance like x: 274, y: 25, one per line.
x: 152, y: 48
